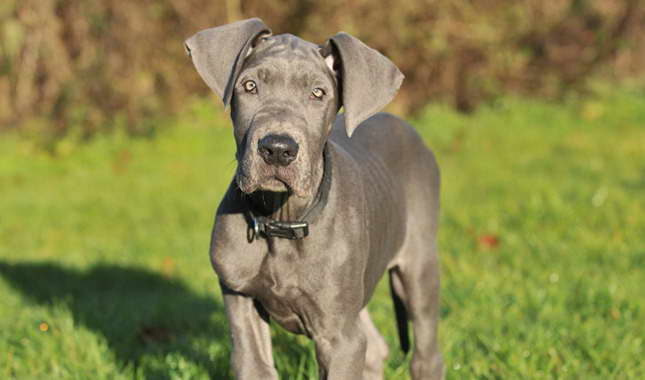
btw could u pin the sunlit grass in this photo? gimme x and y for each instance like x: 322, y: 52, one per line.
x: 103, y: 248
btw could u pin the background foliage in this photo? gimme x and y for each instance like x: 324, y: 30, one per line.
x: 103, y: 64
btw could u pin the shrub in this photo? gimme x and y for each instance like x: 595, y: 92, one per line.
x: 97, y: 64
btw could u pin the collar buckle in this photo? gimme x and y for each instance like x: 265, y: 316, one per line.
x: 274, y: 228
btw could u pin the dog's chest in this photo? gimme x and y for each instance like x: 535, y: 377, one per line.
x: 288, y: 290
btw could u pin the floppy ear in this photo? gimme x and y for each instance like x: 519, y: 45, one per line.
x: 218, y: 53
x: 368, y: 79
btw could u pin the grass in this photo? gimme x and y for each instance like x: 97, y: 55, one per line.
x: 104, y: 272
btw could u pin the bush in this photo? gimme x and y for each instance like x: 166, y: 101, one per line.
x: 100, y: 64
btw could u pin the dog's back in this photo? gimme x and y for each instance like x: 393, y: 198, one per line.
x: 404, y: 158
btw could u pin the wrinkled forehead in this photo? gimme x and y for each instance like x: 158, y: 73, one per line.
x: 285, y: 48
x: 287, y: 45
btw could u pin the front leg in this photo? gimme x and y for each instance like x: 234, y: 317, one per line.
x: 251, y: 358
x: 341, y: 353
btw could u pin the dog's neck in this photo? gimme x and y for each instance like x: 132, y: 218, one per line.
x: 285, y: 206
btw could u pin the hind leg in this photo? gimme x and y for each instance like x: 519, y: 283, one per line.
x: 377, y: 349
x: 416, y: 280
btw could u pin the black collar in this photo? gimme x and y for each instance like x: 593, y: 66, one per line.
x: 293, y: 230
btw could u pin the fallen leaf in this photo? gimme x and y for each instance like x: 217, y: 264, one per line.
x: 488, y: 241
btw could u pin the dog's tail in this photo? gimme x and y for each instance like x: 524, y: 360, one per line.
x: 401, y: 315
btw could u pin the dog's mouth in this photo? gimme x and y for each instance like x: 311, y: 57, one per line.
x: 271, y: 183
x: 275, y: 184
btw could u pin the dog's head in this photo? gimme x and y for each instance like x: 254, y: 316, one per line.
x: 284, y: 94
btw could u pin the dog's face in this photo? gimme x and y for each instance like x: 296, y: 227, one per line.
x: 284, y: 95
x: 283, y: 104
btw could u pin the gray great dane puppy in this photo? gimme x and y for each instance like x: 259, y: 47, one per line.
x: 313, y: 218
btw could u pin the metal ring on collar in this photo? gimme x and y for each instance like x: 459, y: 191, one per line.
x: 252, y: 231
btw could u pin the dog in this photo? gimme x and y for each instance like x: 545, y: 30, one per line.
x: 322, y: 204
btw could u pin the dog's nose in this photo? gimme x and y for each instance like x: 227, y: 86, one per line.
x: 278, y: 149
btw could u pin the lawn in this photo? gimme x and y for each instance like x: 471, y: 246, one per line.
x: 104, y: 272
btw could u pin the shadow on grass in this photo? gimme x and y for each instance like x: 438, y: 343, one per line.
x: 144, y: 316
x: 148, y: 320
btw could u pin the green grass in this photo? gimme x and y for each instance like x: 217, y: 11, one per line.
x: 105, y: 247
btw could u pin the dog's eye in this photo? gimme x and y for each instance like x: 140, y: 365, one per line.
x: 250, y: 86
x: 317, y: 93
